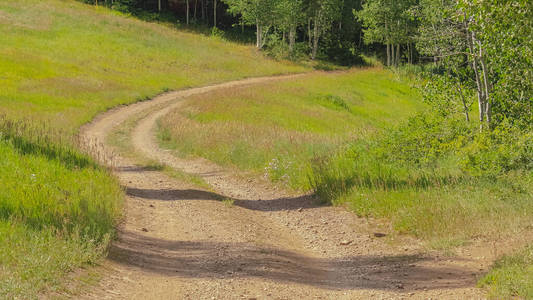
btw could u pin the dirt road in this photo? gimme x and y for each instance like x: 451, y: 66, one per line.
x: 178, y: 241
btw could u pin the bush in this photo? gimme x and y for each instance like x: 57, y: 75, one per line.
x: 495, y: 152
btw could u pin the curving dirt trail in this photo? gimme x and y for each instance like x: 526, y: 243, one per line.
x: 178, y: 241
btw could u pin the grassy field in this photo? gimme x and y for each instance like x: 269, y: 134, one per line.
x: 277, y: 129
x: 65, y: 61
x: 61, y: 63
x: 362, y: 139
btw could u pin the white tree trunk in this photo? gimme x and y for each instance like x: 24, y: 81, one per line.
x: 316, y: 34
x: 486, y: 83
x: 159, y: 5
x: 259, y: 35
x: 388, y: 55
x: 479, y: 84
x: 292, y: 38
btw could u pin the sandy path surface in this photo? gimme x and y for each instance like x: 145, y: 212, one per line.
x: 178, y: 241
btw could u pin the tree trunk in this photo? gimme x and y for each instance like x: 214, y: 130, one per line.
x: 409, y: 53
x: 214, y: 13
x: 292, y: 38
x: 188, y: 11
x: 259, y: 35
x: 159, y: 5
x: 388, y: 44
x: 397, y: 63
x: 309, y: 34
x: 195, y: 9
x: 479, y: 85
x: 202, y: 8
x: 465, y: 107
x: 488, y: 104
x: 388, y: 55
x: 315, y: 37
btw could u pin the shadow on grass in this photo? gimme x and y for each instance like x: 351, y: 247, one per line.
x: 210, y: 259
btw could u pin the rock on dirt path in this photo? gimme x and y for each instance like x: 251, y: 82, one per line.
x: 178, y: 241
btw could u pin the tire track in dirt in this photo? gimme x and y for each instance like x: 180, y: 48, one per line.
x: 181, y: 242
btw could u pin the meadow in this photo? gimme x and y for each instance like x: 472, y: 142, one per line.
x: 276, y: 129
x: 61, y: 63
x: 362, y: 139
x: 365, y: 140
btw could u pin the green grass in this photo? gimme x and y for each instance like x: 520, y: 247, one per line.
x: 436, y: 178
x: 58, y: 210
x: 61, y: 63
x: 42, y: 191
x: 276, y: 129
x: 442, y: 180
x: 66, y: 61
x: 34, y: 262
x: 511, y: 276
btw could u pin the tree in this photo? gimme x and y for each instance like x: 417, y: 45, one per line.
x: 388, y: 22
x: 489, y: 41
x: 322, y: 14
x: 289, y: 15
x: 255, y: 12
x: 502, y: 32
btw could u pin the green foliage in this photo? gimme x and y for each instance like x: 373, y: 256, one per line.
x: 511, y: 276
x: 496, y: 152
x: 506, y: 31
x: 432, y: 176
x: 486, y: 47
x: 387, y: 22
x: 58, y: 209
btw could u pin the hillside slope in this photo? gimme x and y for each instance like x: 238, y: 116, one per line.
x: 62, y: 62
x: 65, y: 61
x: 277, y: 129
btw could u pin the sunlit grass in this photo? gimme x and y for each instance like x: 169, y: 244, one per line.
x: 58, y: 210
x: 61, y: 63
x: 65, y: 61
x: 511, y: 276
x: 34, y: 262
x: 276, y: 129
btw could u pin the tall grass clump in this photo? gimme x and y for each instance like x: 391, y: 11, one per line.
x: 47, y: 183
x: 511, y: 276
x: 58, y: 208
x: 436, y: 177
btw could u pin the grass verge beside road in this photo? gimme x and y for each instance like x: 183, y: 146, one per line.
x: 276, y: 129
